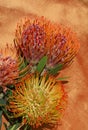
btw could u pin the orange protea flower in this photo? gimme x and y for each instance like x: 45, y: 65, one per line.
x: 38, y: 101
x: 39, y: 37
x: 8, y: 66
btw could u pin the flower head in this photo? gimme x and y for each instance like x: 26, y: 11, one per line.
x: 31, y: 38
x: 39, y: 37
x: 8, y: 66
x: 38, y: 101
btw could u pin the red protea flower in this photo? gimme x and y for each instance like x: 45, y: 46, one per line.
x: 38, y: 101
x: 39, y: 37
x: 8, y: 66
x: 31, y: 39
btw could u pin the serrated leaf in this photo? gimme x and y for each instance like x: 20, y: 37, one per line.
x: 41, y: 64
x: 0, y: 118
x: 56, y: 69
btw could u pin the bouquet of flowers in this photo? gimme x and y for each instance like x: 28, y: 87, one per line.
x: 32, y: 93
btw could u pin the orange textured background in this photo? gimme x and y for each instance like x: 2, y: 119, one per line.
x: 73, y: 13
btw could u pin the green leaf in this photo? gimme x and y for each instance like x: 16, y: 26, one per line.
x: 26, y: 127
x: 41, y: 64
x: 8, y: 93
x: 2, y: 102
x: 22, y: 63
x: 1, y: 118
x: 1, y: 95
x: 11, y: 86
x: 14, y: 127
x: 63, y: 78
x: 6, y: 113
x: 56, y: 69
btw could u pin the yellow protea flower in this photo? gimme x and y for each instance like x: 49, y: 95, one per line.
x: 40, y: 37
x: 38, y: 101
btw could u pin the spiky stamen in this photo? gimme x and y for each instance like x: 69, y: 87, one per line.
x: 38, y: 101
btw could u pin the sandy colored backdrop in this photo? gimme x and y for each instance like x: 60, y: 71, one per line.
x: 73, y: 13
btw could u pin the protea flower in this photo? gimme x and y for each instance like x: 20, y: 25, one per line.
x: 30, y: 37
x: 38, y: 101
x: 12, y: 66
x: 8, y: 66
x: 40, y: 37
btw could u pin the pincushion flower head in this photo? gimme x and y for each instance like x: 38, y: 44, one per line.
x: 12, y: 66
x: 8, y: 66
x: 38, y: 101
x: 39, y: 37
